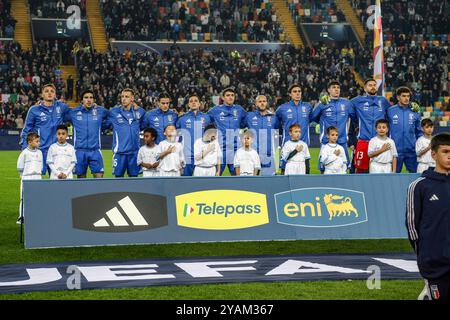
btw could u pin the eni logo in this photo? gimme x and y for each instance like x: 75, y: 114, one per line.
x: 321, y: 207
x: 221, y: 209
x: 337, y: 205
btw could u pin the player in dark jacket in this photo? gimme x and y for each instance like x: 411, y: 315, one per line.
x: 428, y: 220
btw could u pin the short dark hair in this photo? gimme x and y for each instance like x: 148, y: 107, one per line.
x: 382, y: 121
x: 333, y: 83
x: 85, y: 92
x: 441, y: 139
x: 249, y: 133
x: 152, y: 131
x: 295, y: 125
x: 229, y: 89
x: 426, y: 123
x: 292, y: 86
x: 62, y: 127
x: 48, y: 85
x: 403, y: 90
x: 193, y: 95
x: 31, y: 136
x: 164, y: 95
x: 369, y: 80
x: 332, y: 128
x: 129, y: 90
x: 210, y: 126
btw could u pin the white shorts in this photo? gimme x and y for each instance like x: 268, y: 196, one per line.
x: 150, y: 173
x: 295, y: 168
x: 204, y: 172
x: 169, y: 173
x: 376, y: 167
x: 421, y: 166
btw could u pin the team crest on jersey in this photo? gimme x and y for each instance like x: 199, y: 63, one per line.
x: 94, y: 112
x: 169, y: 117
x: 269, y: 119
x: 304, y: 109
x: 58, y: 109
x: 235, y: 113
x: 342, y: 107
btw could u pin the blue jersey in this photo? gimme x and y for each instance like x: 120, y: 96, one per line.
x: 289, y: 114
x: 366, y: 111
x: 336, y: 114
x: 228, y: 118
x: 192, y: 126
x: 266, y: 129
x: 404, y: 128
x: 159, y: 120
x: 87, y: 126
x: 44, y: 120
x: 126, y: 126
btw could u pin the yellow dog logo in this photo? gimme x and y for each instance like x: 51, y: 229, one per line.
x: 337, y: 205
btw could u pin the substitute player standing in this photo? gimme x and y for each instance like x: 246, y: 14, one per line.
x: 265, y: 126
x: 333, y: 111
x: 228, y: 119
x: 43, y: 118
x: 126, y: 121
x: 191, y: 127
x: 405, y: 129
x: 427, y: 220
x: 295, y: 112
x: 88, y: 120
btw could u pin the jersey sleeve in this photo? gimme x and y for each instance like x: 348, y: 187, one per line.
x: 243, y: 123
x: 413, y: 212
x: 140, y: 157
x: 306, y: 151
x: 316, y: 112
x: 21, y: 162
x: 394, y: 149
x: 49, y: 159
x: 256, y: 160
x: 285, y: 151
x: 372, y: 147
x: 420, y: 146
x: 418, y: 127
x: 28, y: 127
x: 106, y: 122
x: 236, y: 161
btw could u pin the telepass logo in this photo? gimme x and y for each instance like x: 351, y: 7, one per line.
x: 221, y: 209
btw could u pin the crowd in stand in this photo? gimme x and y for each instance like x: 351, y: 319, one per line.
x: 22, y: 74
x: 309, y: 11
x: 7, y: 22
x: 234, y: 20
x: 418, y: 17
x: 208, y: 73
x: 55, y: 8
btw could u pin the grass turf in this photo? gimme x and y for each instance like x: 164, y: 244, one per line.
x: 13, y: 252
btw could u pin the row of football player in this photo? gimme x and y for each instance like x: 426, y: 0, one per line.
x: 128, y: 119
x: 168, y: 157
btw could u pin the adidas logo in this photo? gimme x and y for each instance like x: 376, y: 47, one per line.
x: 187, y: 210
x: 395, y: 117
x: 118, y: 220
x: 79, y: 113
x: 255, y: 118
x: 42, y: 114
x: 434, y: 198
x: 119, y: 212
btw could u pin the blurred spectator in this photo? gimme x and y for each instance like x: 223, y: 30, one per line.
x: 313, y: 11
x: 55, y: 8
x: 7, y: 22
x: 197, y: 20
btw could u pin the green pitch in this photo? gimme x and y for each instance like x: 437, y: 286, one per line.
x: 12, y: 252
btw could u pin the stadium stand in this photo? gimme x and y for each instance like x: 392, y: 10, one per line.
x: 416, y: 38
x: 7, y: 22
x: 22, y: 74
x: 54, y: 9
x: 307, y: 11
x: 207, y: 73
x: 196, y: 20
